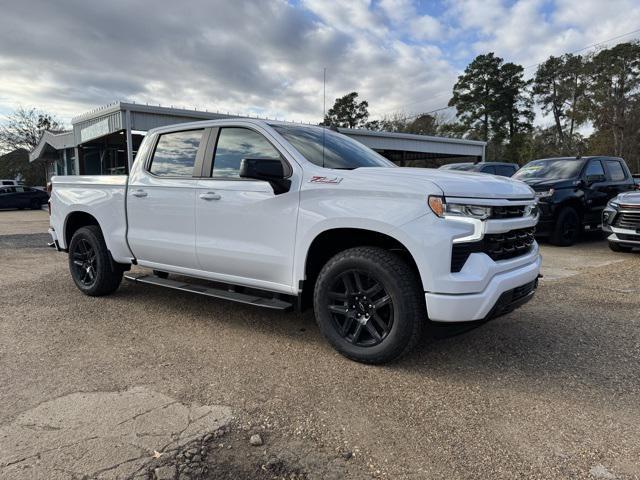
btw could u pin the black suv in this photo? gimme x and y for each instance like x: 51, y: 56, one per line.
x: 572, y: 192
x: 503, y: 169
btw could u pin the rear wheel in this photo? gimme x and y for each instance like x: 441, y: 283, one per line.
x: 567, y: 228
x: 369, y: 305
x: 616, y: 247
x: 92, y: 269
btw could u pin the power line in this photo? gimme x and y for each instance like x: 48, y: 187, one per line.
x: 439, y: 94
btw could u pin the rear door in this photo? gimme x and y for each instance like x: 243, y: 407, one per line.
x: 245, y: 232
x: 596, y: 192
x: 161, y: 200
x: 619, y: 179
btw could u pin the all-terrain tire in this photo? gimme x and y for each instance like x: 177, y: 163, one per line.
x: 567, y: 228
x: 402, y: 290
x: 98, y: 275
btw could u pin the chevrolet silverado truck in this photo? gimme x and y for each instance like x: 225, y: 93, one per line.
x: 280, y: 215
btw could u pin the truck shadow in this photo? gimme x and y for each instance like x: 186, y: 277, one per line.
x: 545, y: 341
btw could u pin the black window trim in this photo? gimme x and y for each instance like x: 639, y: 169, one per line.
x: 208, y: 162
x: 197, y: 165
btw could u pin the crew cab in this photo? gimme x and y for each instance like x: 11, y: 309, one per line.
x: 280, y: 215
x: 572, y: 193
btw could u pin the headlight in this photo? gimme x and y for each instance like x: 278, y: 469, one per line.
x: 442, y: 209
x: 545, y: 194
x: 613, y: 204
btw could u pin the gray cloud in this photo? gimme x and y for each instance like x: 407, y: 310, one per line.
x: 240, y: 56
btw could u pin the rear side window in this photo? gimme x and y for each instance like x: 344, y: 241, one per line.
x: 234, y: 144
x: 594, y: 168
x: 489, y: 169
x: 7, y: 182
x: 616, y: 171
x: 175, y: 154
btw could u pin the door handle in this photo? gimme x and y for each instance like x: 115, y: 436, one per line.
x: 210, y: 196
x: 139, y: 193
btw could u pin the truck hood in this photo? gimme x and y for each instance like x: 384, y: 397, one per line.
x: 540, y: 184
x: 453, y: 183
x: 629, y: 198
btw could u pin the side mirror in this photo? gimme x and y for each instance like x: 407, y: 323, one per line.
x: 267, y: 169
x: 591, y: 179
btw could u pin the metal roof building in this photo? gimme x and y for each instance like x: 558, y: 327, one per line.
x: 105, y: 140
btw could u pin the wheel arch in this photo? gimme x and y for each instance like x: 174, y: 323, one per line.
x: 76, y: 220
x: 329, y: 242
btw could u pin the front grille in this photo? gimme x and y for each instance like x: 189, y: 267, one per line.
x: 629, y: 220
x: 507, y: 211
x: 498, y: 246
x: 512, y: 299
x: 626, y: 236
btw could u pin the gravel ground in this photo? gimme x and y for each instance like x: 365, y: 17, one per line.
x: 549, y: 391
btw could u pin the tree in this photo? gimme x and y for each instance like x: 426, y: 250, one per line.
x: 559, y: 86
x: 613, y: 98
x: 347, y: 112
x: 474, y: 94
x: 20, y: 133
x: 24, y: 127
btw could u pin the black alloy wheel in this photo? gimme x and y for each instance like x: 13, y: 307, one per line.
x: 369, y: 304
x: 85, y: 263
x: 361, y: 308
x: 92, y: 268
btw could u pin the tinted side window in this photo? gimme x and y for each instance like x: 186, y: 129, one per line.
x: 505, y: 170
x: 236, y: 143
x: 489, y: 169
x: 615, y: 170
x: 19, y: 189
x: 175, y: 154
x: 594, y: 168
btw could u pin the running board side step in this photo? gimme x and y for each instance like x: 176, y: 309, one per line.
x: 264, y: 302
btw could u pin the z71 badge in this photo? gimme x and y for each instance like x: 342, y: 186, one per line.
x: 320, y: 179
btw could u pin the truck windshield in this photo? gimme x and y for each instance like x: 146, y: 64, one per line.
x: 339, y: 151
x: 554, y: 169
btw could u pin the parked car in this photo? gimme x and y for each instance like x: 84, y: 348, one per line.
x: 621, y: 218
x: 572, y: 193
x: 503, y: 169
x: 282, y: 214
x: 22, y: 197
x: 9, y: 182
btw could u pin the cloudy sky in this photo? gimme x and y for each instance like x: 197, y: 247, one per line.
x: 266, y: 57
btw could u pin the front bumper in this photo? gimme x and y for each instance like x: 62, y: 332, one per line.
x: 498, y: 297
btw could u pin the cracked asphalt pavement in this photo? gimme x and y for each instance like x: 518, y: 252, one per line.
x: 551, y: 390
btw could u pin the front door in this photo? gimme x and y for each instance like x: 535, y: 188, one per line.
x: 161, y: 201
x: 245, y: 232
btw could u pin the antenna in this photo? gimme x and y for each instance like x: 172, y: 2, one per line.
x: 324, y: 109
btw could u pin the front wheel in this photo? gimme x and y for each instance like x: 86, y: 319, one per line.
x: 92, y: 269
x: 567, y: 228
x: 369, y: 305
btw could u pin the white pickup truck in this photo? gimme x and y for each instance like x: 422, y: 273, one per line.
x: 279, y: 215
